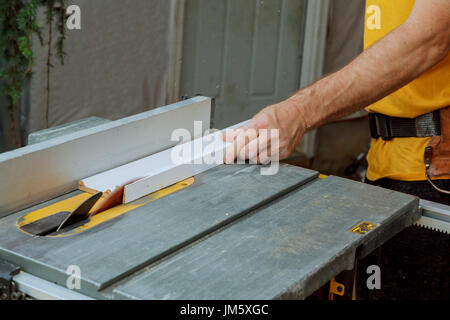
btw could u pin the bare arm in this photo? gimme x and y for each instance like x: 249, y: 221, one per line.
x: 394, y: 61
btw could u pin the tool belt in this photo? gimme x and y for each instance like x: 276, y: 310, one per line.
x: 435, y: 125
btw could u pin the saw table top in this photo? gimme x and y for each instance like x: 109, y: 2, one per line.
x: 233, y: 234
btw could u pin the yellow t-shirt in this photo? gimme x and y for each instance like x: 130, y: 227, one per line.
x: 402, y: 158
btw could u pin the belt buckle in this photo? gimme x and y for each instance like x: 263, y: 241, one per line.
x: 373, y: 126
x: 384, y: 127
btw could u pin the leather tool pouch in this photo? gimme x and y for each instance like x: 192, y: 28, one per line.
x: 435, y: 124
x: 438, y: 150
x: 437, y: 153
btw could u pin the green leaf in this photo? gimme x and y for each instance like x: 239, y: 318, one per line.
x: 18, y: 22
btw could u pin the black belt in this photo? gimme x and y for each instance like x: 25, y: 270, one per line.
x: 387, y: 128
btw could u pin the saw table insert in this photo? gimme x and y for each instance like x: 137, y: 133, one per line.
x: 45, y: 221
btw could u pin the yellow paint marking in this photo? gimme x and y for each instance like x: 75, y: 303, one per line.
x: 72, y: 203
x: 363, y: 228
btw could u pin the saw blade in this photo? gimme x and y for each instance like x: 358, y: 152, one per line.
x: 435, y: 216
x: 82, y: 212
x: 433, y: 224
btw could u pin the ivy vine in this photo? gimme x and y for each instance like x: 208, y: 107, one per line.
x: 18, y: 23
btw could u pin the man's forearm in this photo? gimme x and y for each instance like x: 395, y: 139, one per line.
x: 391, y: 63
x: 397, y: 59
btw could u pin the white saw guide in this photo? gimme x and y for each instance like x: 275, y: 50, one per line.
x: 162, y: 169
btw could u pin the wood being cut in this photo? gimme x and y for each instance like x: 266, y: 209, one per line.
x: 161, y: 169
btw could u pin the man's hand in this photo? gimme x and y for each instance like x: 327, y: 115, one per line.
x: 250, y: 142
x: 400, y: 57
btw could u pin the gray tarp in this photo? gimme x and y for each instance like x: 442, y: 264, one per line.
x: 117, y: 64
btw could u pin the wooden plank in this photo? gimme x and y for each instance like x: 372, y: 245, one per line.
x: 129, y: 243
x: 161, y: 169
x: 287, y: 249
x: 38, y: 172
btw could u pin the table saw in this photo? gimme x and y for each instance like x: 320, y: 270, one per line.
x: 226, y: 233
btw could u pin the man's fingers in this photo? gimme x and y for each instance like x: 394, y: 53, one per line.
x: 240, y: 145
x: 229, y: 135
x: 252, y: 124
x: 254, y: 147
x: 264, y: 157
x: 251, y: 139
x: 258, y: 122
x: 233, y: 150
x: 268, y: 147
x: 245, y: 140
